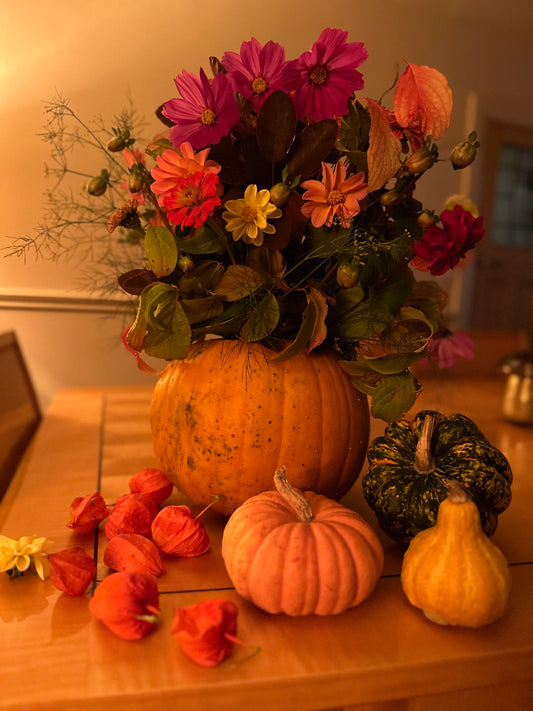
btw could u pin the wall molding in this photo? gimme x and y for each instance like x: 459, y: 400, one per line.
x: 50, y: 301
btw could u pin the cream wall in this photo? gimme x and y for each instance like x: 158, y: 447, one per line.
x: 94, y: 52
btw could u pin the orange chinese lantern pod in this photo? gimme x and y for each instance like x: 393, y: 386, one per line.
x: 300, y: 553
x: 151, y: 483
x: 206, y: 631
x: 87, y: 512
x: 133, y: 553
x: 127, y: 603
x: 72, y: 570
x: 133, y: 513
x: 177, y: 531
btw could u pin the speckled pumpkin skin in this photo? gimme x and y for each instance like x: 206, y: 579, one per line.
x: 406, y: 502
x: 227, y: 416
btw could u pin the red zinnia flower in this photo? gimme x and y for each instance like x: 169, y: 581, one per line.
x: 257, y: 71
x: 133, y: 513
x: 441, y: 248
x: 206, y: 631
x: 133, y: 553
x: 177, y: 531
x: 87, y: 513
x: 205, y: 113
x: 127, y: 603
x: 324, y: 78
x: 72, y: 570
x: 151, y: 483
x: 192, y: 201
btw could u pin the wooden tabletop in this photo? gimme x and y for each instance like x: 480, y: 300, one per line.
x: 382, y: 656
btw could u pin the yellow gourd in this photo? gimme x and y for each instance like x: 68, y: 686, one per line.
x: 452, y: 571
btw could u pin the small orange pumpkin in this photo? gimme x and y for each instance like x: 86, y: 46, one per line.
x: 300, y: 553
x: 225, y: 417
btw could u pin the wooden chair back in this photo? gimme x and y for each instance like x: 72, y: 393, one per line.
x: 20, y: 413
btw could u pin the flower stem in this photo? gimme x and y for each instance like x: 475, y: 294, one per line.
x: 223, y: 236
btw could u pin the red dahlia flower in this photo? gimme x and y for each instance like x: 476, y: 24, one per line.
x: 441, y: 248
x: 192, y: 201
x: 127, y: 603
x: 206, y: 111
x: 324, y: 78
x: 257, y: 71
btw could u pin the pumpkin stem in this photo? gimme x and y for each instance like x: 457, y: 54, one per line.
x: 456, y: 493
x: 424, y: 463
x: 292, y: 496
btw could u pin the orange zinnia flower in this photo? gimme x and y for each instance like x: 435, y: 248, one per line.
x: 335, y: 197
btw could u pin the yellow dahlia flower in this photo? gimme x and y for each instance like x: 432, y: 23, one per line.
x: 16, y: 556
x: 246, y: 218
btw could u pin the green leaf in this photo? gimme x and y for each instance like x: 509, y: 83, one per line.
x: 394, y: 396
x: 172, y: 344
x: 393, y: 362
x: 304, y: 335
x: 201, y: 309
x: 276, y: 126
x: 263, y: 319
x: 354, y: 318
x: 311, y: 146
x: 328, y: 242
x: 237, y: 282
x: 161, y: 250
x: 202, y: 241
x: 202, y: 279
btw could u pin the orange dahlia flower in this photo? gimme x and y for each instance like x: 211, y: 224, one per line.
x: 335, y: 197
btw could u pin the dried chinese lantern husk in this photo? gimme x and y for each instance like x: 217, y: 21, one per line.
x: 224, y: 418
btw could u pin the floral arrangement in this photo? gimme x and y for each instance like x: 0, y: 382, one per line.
x: 279, y: 207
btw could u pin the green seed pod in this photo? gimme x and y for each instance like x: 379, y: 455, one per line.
x: 98, y: 185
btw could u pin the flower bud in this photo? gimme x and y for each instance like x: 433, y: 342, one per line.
x: 464, y: 153
x: 426, y: 218
x: 279, y: 194
x: 347, y: 275
x: 135, y: 180
x: 421, y: 160
x: 185, y: 263
x: 98, y: 185
x: 116, y: 144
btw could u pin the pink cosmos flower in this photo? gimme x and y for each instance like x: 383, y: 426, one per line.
x: 324, y: 78
x: 441, y: 248
x: 192, y: 201
x: 335, y: 197
x: 205, y: 113
x: 257, y: 71
x: 445, y: 350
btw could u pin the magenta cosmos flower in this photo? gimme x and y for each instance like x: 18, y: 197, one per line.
x: 335, y: 197
x: 324, y: 78
x: 446, y: 349
x: 257, y: 71
x: 206, y: 111
x: 441, y: 248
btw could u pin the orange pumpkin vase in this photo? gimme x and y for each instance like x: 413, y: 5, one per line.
x: 300, y: 553
x: 227, y: 416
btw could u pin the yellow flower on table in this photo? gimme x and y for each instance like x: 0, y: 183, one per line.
x: 16, y: 556
x: 246, y: 218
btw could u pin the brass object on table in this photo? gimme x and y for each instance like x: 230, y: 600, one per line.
x: 518, y: 397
